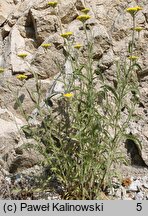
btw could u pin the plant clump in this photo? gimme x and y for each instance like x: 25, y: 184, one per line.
x: 82, y: 135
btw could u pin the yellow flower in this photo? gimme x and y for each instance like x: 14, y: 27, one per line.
x: 46, y: 45
x: 53, y: 4
x: 133, y: 10
x: 21, y: 77
x: 77, y: 46
x: 22, y: 55
x: 83, y: 18
x: 85, y: 10
x: 138, y: 29
x: 66, y: 34
x: 133, y: 58
x: 138, y: 8
x: 68, y: 95
x: 1, y: 70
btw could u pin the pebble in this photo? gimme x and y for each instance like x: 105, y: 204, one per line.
x: 8, y: 180
x: 139, y: 196
x: 118, y: 193
x: 135, y: 186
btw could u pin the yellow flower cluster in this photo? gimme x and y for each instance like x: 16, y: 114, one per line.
x: 22, y: 55
x: 21, y: 77
x: 66, y: 34
x: 83, y: 17
x: 77, y: 46
x: 133, y: 10
x: 133, y: 58
x: 1, y: 70
x: 68, y: 95
x: 46, y: 45
x: 52, y: 4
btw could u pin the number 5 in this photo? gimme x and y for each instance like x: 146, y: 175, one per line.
x: 139, y: 206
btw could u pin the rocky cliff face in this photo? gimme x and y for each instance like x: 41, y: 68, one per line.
x: 26, y: 24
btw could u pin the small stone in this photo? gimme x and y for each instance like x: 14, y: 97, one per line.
x: 145, y: 178
x: 135, y: 186
x: 115, y: 183
x: 4, y: 172
x: 145, y: 182
x: 18, y: 178
x: 123, y: 193
x: 145, y: 185
x: 8, y: 179
x: 118, y: 193
x: 128, y: 198
x: 139, y: 196
x: 111, y: 191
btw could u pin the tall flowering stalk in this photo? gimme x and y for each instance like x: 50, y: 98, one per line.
x: 133, y: 12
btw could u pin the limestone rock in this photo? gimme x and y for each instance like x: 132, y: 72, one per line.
x: 44, y: 24
x: 45, y: 62
x: 9, y: 133
x: 17, y: 46
x: 12, y: 154
x: 6, y: 7
x: 67, y: 12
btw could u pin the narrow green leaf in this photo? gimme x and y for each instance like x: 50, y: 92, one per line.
x: 31, y: 96
x: 112, y: 90
x: 134, y: 139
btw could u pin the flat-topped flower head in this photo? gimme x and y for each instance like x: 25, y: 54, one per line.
x: 133, y: 58
x: 68, y: 95
x: 85, y: 10
x: 46, y: 45
x: 22, y: 55
x: 2, y: 70
x: 138, y: 28
x: 77, y: 46
x: 52, y: 3
x: 83, y: 17
x: 133, y: 10
x: 21, y: 77
x: 66, y: 34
